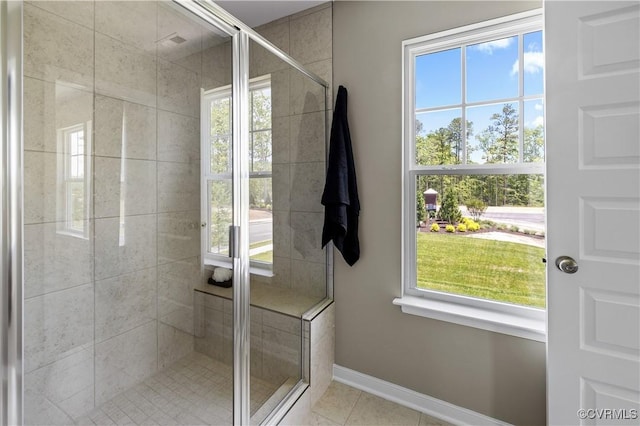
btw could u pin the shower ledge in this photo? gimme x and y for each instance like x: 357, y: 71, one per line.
x: 278, y: 299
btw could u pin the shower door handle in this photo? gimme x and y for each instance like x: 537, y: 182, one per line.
x: 234, y: 236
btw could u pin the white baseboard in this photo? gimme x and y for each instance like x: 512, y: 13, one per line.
x: 412, y: 399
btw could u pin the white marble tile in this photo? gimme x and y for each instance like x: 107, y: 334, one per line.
x: 125, y: 302
x: 122, y: 248
x: 281, y: 355
x: 178, y: 187
x: 280, y: 90
x: 281, y: 183
x: 38, y: 410
x: 125, y: 360
x: 50, y: 107
x: 57, y: 325
x: 281, y: 272
x: 281, y: 233
x: 309, y: 96
x: 124, y: 72
x: 57, y: 50
x: 131, y: 22
x: 178, y: 138
x: 280, y: 140
x: 308, y: 278
x: 178, y: 89
x: 124, y: 187
x: 173, y: 344
x: 80, y: 12
x: 175, y: 293
x: 282, y: 322
x: 43, y: 187
x: 68, y: 383
x: 172, y: 23
x: 306, y: 95
x: 216, y: 66
x: 311, y: 38
x: 308, y: 137
x: 124, y: 129
x: 307, y: 184
x: 306, y: 237
x: 178, y: 236
x: 262, y: 61
x: 55, y: 260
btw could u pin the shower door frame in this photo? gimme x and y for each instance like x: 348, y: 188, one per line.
x: 11, y: 217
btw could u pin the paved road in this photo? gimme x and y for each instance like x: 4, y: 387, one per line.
x: 526, y: 217
x: 260, y: 230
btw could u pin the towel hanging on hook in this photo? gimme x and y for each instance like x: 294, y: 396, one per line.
x: 340, y: 196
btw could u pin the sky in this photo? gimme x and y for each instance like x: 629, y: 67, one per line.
x: 492, y: 72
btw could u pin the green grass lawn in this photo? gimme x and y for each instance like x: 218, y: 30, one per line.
x: 266, y: 256
x: 488, y: 269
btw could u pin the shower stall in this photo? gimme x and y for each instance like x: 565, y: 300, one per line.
x: 147, y: 147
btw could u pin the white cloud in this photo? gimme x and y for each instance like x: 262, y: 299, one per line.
x: 538, y: 107
x: 533, y: 63
x: 539, y: 121
x: 490, y: 46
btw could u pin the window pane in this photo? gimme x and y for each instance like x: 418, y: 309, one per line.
x: 496, y: 139
x: 533, y: 64
x: 438, y: 137
x: 220, y: 154
x: 220, y: 215
x: 261, y: 151
x: 221, y: 116
x: 533, y: 131
x: 261, y: 109
x: 483, y: 238
x: 438, y: 79
x: 260, y: 220
x: 76, y: 198
x: 492, y: 70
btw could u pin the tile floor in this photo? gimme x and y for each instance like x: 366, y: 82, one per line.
x: 196, y: 390
x: 344, y: 405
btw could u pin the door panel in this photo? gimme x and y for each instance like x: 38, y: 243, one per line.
x: 593, y: 122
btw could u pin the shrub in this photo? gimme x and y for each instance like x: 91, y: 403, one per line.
x: 501, y: 227
x: 421, y: 212
x: 435, y: 227
x: 476, y: 207
x: 462, y: 227
x: 450, y: 228
x: 449, y: 209
x: 473, y: 226
x: 514, y: 228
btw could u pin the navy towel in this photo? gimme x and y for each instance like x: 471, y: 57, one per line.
x: 340, y: 196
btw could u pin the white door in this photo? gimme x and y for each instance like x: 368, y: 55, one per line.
x: 593, y: 152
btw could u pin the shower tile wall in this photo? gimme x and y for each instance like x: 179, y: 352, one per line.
x: 109, y: 294
x: 298, y: 122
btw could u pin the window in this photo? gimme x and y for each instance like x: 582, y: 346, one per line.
x: 217, y: 175
x: 73, y: 177
x: 473, y: 176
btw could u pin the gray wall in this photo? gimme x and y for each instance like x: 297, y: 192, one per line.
x: 494, y: 374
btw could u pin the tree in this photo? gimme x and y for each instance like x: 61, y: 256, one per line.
x: 421, y: 212
x: 456, y: 138
x: 499, y: 142
x: 449, y: 209
x: 477, y: 208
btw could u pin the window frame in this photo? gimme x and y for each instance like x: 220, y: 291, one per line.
x: 66, y: 179
x: 213, y: 259
x: 521, y: 321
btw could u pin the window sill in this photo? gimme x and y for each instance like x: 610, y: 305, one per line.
x: 253, y: 269
x: 471, y: 316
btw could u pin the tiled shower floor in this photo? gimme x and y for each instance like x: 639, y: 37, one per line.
x: 196, y: 390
